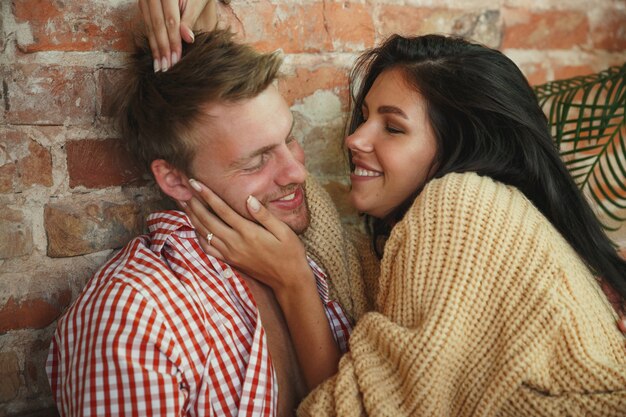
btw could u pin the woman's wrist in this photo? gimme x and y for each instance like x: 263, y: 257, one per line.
x: 300, y: 284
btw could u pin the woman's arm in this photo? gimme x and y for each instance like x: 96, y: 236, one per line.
x: 271, y: 253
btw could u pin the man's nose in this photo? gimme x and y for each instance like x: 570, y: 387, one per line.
x: 292, y: 170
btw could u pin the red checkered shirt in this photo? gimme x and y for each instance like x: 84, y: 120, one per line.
x: 164, y: 329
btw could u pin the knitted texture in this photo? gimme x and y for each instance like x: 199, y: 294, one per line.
x: 370, y: 264
x: 483, y: 309
x: 329, y: 245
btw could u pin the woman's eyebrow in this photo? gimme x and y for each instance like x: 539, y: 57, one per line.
x: 392, y: 110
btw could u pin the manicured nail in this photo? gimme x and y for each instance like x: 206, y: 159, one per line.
x: 174, y: 58
x: 182, y: 203
x: 253, y: 203
x: 196, y: 186
x: 191, y: 35
x: 164, y: 64
x: 157, y: 67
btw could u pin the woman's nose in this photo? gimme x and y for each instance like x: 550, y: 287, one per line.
x: 360, y: 140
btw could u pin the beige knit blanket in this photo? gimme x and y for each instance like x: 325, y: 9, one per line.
x: 483, y: 309
x: 334, y: 248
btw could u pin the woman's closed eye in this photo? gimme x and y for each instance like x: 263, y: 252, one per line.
x: 393, y: 129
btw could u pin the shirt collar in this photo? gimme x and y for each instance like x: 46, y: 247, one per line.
x: 162, y: 224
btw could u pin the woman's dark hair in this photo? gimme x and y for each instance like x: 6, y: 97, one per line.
x: 486, y: 119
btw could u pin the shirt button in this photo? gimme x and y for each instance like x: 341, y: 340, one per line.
x: 227, y: 273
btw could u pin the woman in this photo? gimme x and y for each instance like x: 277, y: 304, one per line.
x: 487, y: 301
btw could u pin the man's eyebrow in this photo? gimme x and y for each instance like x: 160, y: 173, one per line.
x: 244, y: 159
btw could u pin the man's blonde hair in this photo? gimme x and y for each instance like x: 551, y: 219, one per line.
x: 157, y: 112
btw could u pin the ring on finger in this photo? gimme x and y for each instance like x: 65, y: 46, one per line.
x: 209, y: 236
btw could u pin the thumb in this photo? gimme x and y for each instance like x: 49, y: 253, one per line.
x: 198, y: 15
x: 265, y: 218
x: 188, y: 20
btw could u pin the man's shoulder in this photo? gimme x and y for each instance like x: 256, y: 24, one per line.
x: 140, y: 270
x: 133, y: 269
x: 135, y: 264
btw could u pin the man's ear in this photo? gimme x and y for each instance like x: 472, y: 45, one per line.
x: 172, y: 181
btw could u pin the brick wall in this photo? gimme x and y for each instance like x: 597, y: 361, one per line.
x: 69, y: 194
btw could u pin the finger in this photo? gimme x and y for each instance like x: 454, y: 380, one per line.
x: 154, y: 48
x: 621, y: 324
x: 209, y: 248
x: 219, y: 207
x: 207, y: 20
x: 159, y: 30
x: 206, y: 222
x: 171, y: 14
x: 198, y: 15
x: 215, y: 246
x: 266, y: 219
x: 613, y: 296
x: 220, y: 247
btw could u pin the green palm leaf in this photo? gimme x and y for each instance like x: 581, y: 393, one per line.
x: 587, y: 120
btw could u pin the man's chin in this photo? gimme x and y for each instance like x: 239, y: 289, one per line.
x: 298, y: 222
x: 300, y: 229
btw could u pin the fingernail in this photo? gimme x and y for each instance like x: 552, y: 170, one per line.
x: 164, y: 64
x: 191, y: 35
x: 174, y: 58
x: 253, y: 203
x: 182, y: 203
x: 196, y: 186
x: 157, y: 67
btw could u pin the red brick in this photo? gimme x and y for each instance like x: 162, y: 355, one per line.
x: 77, y: 226
x: 9, y: 375
x: 35, y: 378
x: 535, y: 73
x: 34, y: 312
x: 100, y: 163
x: 16, y: 236
x: 37, y: 167
x: 306, y: 82
x: 483, y: 26
x: 5, y: 105
x: 77, y: 25
x: 8, y: 173
x: 398, y: 19
x: 350, y: 25
x: 609, y: 31
x: 50, y: 95
x: 558, y: 29
x: 569, y: 71
x: 290, y: 26
x: 107, y: 86
x: 25, y: 162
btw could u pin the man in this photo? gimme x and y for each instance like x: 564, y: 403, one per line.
x: 165, y: 329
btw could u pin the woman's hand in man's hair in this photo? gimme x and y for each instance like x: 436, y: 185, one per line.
x: 169, y: 22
